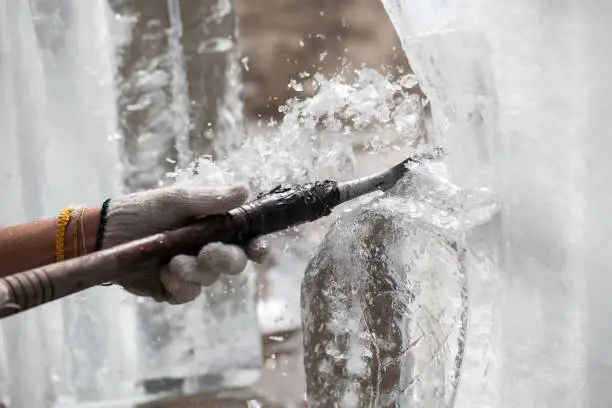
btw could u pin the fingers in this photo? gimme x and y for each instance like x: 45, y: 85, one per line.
x: 257, y: 249
x: 185, y: 275
x: 175, y: 279
x: 186, y: 268
x: 196, y: 201
x: 226, y: 259
x: 179, y: 292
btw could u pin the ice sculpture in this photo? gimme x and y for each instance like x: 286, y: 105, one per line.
x: 547, y: 158
x: 385, y: 298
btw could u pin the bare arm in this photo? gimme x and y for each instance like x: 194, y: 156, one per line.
x: 31, y: 245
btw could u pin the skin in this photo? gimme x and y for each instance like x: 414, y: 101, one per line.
x: 31, y: 245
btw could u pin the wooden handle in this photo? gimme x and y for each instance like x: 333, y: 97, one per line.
x: 47, y: 283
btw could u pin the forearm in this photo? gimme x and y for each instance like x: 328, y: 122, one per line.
x: 31, y: 245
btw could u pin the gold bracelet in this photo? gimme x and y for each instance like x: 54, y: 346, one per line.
x: 81, y: 223
x: 75, y: 237
x: 62, y: 222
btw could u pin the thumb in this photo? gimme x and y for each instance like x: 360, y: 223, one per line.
x: 199, y: 201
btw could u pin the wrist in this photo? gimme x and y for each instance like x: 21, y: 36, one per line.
x: 92, y: 222
x: 101, y: 229
x: 80, y: 236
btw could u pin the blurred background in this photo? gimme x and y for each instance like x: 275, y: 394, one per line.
x: 281, y: 39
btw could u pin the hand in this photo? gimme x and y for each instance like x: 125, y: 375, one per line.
x: 146, y: 213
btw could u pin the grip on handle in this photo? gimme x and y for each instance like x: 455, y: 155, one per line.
x: 26, y: 290
x: 281, y: 208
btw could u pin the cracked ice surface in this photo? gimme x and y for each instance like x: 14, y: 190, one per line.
x: 385, y: 299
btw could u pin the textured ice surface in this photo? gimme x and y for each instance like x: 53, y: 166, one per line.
x: 385, y: 298
x: 452, y: 60
x: 549, y: 150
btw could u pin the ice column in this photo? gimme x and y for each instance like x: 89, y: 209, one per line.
x: 209, y: 42
x: 555, y: 169
x: 179, y: 83
x: 57, y: 111
x: 20, y: 75
x: 151, y: 118
x: 550, y: 158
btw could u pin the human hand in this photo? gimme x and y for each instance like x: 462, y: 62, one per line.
x: 147, y: 213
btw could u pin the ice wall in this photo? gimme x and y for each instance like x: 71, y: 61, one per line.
x: 547, y: 157
x: 57, y: 111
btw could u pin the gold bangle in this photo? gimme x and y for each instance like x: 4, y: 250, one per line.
x: 81, y: 224
x: 62, y: 222
x: 75, y: 237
